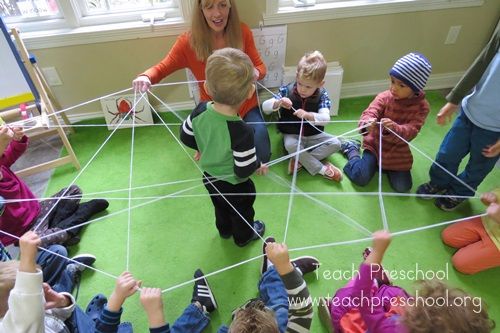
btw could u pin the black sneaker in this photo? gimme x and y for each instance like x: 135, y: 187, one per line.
x: 449, y: 202
x: 259, y: 228
x: 427, y: 191
x: 202, y: 292
x: 264, y: 259
x: 305, y: 264
x: 85, y: 259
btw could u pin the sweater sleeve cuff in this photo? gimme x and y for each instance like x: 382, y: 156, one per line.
x: 29, y: 283
x: 162, y: 329
x: 111, y: 317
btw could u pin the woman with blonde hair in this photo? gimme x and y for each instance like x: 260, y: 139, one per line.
x: 215, y: 24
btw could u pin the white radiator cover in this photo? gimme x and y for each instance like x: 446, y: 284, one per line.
x: 333, y: 83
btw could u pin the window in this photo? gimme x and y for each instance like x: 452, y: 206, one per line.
x: 58, y: 21
x: 292, y: 11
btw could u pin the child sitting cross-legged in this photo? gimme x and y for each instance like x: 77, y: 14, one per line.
x: 304, y: 109
x: 30, y: 306
x: 401, y: 109
x: 370, y: 303
x: 56, y: 219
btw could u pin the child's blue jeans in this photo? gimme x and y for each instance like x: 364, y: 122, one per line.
x: 361, y: 170
x: 272, y: 292
x: 463, y: 138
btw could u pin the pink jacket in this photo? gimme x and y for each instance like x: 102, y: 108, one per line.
x: 17, y: 216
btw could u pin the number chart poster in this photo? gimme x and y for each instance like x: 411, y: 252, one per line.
x: 271, y: 44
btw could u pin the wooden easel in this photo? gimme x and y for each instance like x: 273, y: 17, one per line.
x: 47, y: 111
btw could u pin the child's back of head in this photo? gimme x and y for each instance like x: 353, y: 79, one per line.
x: 312, y: 66
x: 229, y: 76
x: 255, y: 318
x: 439, y: 308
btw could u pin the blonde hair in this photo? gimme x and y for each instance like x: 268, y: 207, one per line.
x: 254, y: 319
x: 459, y: 314
x: 312, y: 66
x: 229, y: 76
x: 201, y: 34
x: 8, y: 273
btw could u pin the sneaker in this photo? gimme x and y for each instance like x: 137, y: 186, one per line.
x: 332, y: 173
x: 202, y: 292
x: 85, y: 259
x: 427, y: 190
x: 448, y: 203
x: 291, y: 166
x: 347, y: 145
x: 325, y: 315
x: 264, y: 259
x: 75, y: 270
x: 259, y: 228
x: 306, y: 264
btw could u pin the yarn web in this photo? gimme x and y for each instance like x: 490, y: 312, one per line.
x: 291, y: 188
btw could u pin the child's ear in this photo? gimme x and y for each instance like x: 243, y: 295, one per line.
x: 205, y: 86
x: 251, y: 91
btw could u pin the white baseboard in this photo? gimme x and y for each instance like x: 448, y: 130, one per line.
x: 367, y: 88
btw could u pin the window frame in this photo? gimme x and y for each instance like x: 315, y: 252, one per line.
x: 73, y: 28
x: 339, y: 9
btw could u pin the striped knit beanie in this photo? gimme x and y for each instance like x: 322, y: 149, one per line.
x: 413, y: 69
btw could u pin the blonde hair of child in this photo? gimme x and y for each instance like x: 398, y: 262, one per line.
x: 229, y: 76
x: 8, y: 273
x: 312, y: 66
x: 254, y: 320
x: 201, y: 34
x: 462, y: 315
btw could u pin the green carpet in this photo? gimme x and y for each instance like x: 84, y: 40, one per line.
x: 173, y: 236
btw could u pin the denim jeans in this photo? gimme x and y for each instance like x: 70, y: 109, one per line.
x: 52, y: 266
x: 463, y: 138
x: 361, y: 170
x: 261, y: 136
x: 80, y: 322
x: 192, y: 320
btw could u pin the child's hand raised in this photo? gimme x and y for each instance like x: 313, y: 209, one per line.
x: 6, y: 133
x: 18, y: 133
x: 381, y: 240
x: 277, y: 253
x: 153, y: 305
x: 28, y: 246
x: 126, y: 286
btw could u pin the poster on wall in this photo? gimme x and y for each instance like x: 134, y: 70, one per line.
x: 120, y: 110
x: 271, y: 44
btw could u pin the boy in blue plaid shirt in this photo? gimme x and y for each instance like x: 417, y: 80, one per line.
x: 304, y: 108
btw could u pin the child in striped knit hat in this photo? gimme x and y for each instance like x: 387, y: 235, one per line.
x: 401, y: 111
